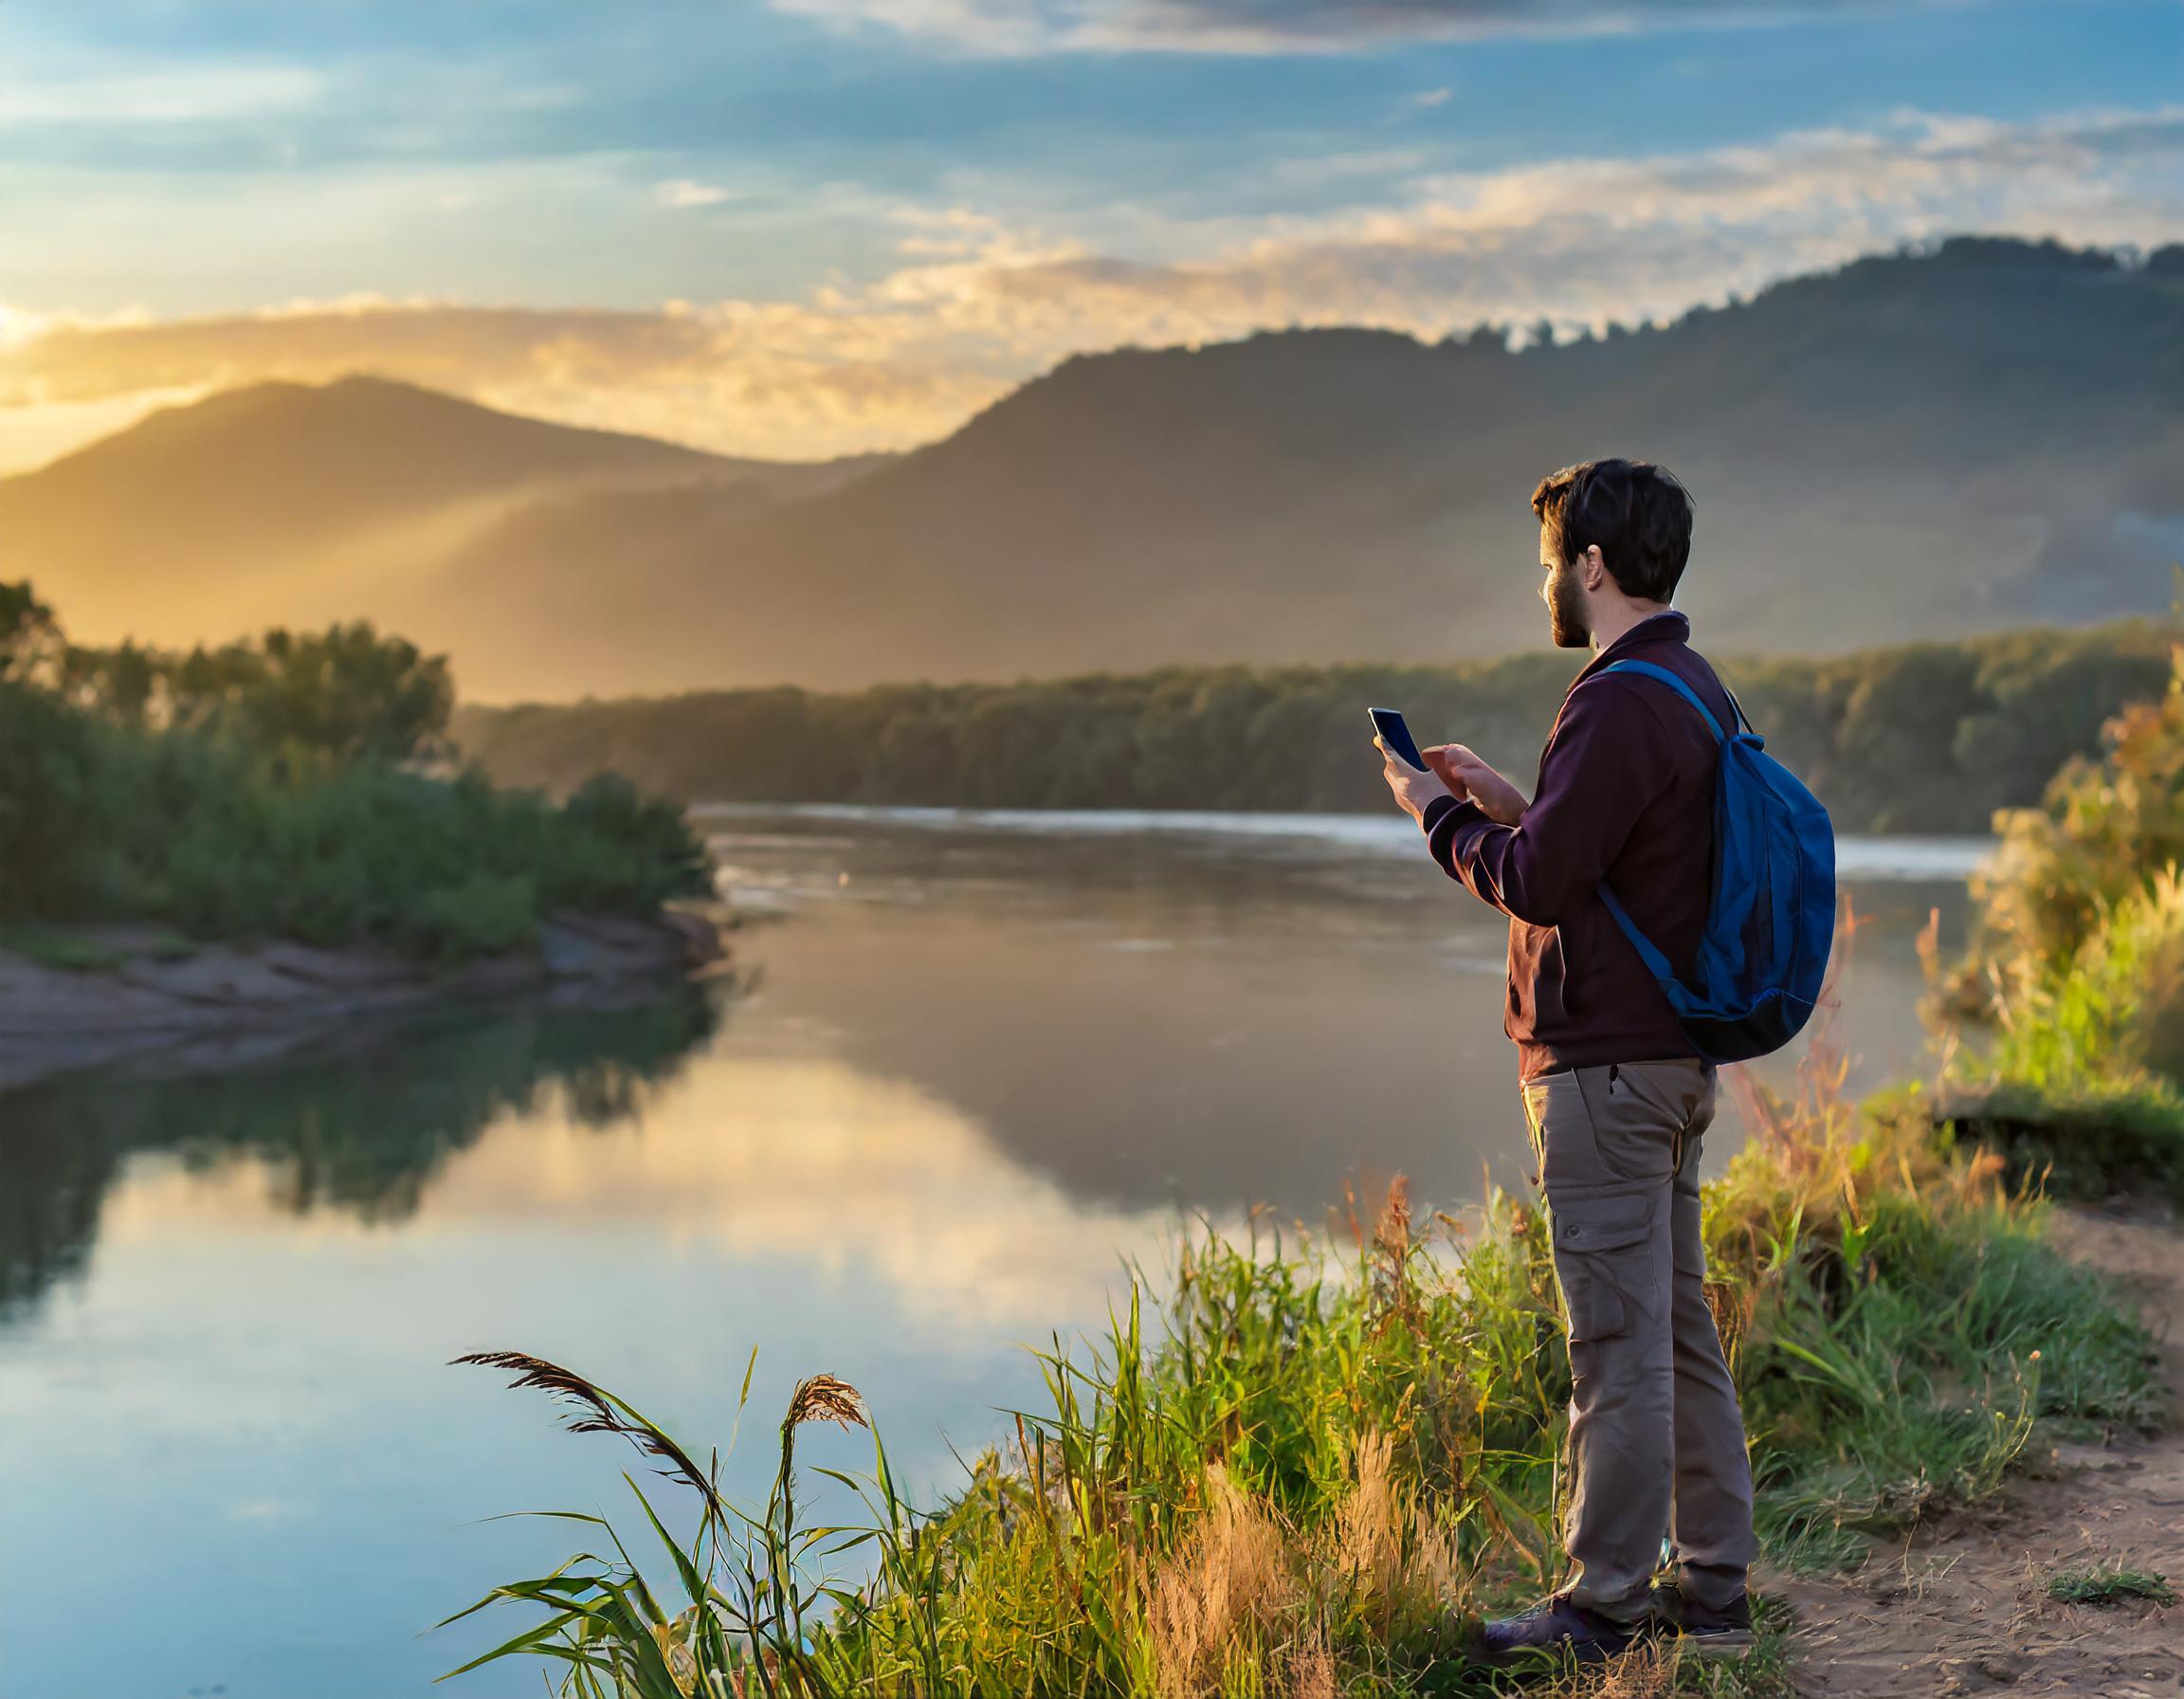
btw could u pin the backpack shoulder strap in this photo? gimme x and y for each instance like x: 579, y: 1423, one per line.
x: 1721, y: 734
x: 1656, y: 963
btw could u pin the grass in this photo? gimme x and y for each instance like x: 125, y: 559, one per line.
x: 1302, y: 1466
x: 2088, y: 1144
x: 2109, y: 1583
x: 60, y: 948
x: 73, y: 950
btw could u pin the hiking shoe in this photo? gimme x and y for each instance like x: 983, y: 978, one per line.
x: 1560, y: 1625
x: 1703, y: 1628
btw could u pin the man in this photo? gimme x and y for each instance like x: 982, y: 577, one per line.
x: 1616, y: 1095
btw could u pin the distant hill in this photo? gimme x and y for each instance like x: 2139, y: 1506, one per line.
x: 1984, y: 435
x: 300, y: 504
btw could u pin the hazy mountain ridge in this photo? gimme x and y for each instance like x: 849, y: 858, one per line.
x: 1978, y: 436
x: 307, y: 503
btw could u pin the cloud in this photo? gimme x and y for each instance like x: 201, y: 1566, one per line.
x: 977, y: 304
x: 158, y: 96
x: 683, y: 191
x: 770, y: 379
x: 788, y: 1160
x: 1020, y: 26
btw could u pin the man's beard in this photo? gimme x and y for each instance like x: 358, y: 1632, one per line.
x: 1566, y: 616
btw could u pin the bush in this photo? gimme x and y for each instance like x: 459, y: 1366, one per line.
x: 2072, y: 995
x: 103, y: 821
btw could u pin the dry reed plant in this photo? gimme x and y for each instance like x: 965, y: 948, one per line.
x: 826, y: 1398
x: 1229, y: 1594
x: 1647, y: 1671
x: 1312, y: 1671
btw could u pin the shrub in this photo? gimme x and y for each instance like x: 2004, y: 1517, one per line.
x: 2071, y: 998
x: 107, y: 821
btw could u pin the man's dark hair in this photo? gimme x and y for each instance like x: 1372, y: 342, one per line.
x: 1636, y: 511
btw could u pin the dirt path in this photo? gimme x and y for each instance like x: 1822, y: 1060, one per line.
x: 1962, y: 1607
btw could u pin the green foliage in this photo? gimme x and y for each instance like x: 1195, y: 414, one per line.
x: 2105, y: 828
x: 2109, y: 1583
x: 2095, y: 1142
x: 27, y: 633
x: 2074, y: 985
x: 1927, y: 738
x: 272, y: 804
x: 1323, y: 1459
x: 178, y: 830
x: 51, y: 947
x: 345, y: 693
x: 2107, y: 1016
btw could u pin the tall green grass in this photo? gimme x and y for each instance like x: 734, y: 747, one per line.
x: 1297, y: 1465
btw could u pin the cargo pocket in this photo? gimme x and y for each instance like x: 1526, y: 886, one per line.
x: 1604, y: 1259
x: 1562, y: 1138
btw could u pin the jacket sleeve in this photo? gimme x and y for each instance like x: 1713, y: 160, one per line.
x: 1607, y: 760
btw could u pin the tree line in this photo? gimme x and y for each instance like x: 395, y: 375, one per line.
x: 297, y: 786
x: 1926, y: 737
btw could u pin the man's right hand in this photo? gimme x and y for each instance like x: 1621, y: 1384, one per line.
x: 1469, y: 776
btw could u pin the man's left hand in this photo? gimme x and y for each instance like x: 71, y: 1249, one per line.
x: 1413, y: 790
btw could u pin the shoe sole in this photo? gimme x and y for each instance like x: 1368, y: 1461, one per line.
x: 1587, y: 1652
x: 1726, y: 1643
x: 1588, y: 1655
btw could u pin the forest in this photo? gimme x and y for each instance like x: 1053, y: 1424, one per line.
x: 1917, y: 737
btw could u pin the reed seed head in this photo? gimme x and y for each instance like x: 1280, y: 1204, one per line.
x: 827, y: 1399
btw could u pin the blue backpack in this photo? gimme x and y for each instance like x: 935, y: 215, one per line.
x: 1771, y: 920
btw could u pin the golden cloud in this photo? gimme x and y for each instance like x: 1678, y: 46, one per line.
x: 976, y: 305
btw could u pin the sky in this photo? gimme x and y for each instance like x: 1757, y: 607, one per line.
x: 794, y: 228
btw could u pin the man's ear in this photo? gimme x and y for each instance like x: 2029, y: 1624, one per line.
x: 1595, y: 568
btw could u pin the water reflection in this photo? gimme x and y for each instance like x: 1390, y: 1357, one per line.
x: 365, y: 1129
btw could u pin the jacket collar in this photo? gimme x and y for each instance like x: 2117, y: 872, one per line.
x: 1668, y: 625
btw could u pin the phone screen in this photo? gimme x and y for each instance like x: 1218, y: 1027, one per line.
x: 1395, y: 734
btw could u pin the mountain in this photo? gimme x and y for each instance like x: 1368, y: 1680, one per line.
x: 297, y: 503
x: 1989, y: 433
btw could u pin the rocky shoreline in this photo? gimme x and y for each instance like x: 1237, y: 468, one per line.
x: 148, y: 995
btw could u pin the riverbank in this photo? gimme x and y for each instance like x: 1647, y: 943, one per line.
x: 83, y: 996
x: 1305, y: 1467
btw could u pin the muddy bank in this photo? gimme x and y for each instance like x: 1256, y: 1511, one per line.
x: 142, y: 994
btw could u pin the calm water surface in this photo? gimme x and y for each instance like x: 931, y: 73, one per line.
x: 984, y: 1060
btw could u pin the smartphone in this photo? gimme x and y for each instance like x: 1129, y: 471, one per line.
x: 1397, y: 735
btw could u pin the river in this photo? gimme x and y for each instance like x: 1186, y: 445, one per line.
x: 979, y: 1061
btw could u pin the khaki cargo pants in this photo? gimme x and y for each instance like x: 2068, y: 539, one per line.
x: 1656, y: 1439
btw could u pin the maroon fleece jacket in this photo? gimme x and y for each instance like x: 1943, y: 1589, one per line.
x: 1625, y: 796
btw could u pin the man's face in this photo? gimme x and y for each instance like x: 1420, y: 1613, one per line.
x: 1567, y: 617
